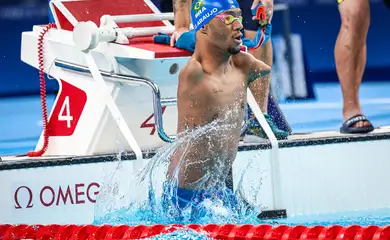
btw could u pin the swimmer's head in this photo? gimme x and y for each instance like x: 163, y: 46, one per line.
x: 203, y: 11
x: 220, y: 20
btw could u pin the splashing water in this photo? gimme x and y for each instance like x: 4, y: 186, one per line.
x: 135, y: 198
x: 144, y: 202
x: 186, y: 234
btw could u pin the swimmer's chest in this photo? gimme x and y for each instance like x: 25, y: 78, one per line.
x: 229, y: 89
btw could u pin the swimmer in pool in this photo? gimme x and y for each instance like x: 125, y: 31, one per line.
x: 251, y: 28
x: 349, y: 53
x: 212, y: 87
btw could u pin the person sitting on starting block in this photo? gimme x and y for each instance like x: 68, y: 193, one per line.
x: 184, y: 38
x: 212, y: 87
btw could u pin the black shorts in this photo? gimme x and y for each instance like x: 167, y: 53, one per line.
x: 247, y: 21
x: 245, y: 5
x: 165, y: 5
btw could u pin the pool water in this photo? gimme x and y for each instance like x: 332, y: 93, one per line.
x: 182, y: 234
x: 378, y: 217
x: 113, y: 208
x: 131, y: 205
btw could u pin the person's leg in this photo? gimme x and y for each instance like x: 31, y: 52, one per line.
x: 350, y: 57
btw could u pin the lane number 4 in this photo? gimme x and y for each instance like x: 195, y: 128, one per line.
x: 64, y: 114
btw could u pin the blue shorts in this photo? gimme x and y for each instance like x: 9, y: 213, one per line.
x: 176, y: 200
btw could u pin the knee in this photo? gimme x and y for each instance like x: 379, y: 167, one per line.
x: 355, y: 14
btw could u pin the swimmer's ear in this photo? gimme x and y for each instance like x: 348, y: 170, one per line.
x: 203, y: 29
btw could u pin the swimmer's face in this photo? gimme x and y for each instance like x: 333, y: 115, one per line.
x: 225, y: 30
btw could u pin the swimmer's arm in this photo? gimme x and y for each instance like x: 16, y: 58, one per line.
x: 181, y: 10
x: 256, y: 68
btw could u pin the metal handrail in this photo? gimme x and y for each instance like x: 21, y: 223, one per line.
x: 158, y: 102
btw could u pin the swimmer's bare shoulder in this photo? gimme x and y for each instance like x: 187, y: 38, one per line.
x: 251, y: 66
x: 191, y: 73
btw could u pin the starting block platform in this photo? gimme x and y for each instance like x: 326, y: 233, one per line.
x: 118, y: 94
x: 69, y: 13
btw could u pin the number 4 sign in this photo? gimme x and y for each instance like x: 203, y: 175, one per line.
x: 67, y: 110
x: 64, y: 114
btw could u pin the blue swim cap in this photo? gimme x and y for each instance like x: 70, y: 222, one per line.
x: 203, y: 11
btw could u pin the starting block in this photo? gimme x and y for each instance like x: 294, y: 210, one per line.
x: 91, y: 117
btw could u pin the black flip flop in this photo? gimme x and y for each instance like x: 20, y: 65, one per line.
x: 346, y: 128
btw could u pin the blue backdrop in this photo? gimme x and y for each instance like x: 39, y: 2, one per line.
x: 317, y: 21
